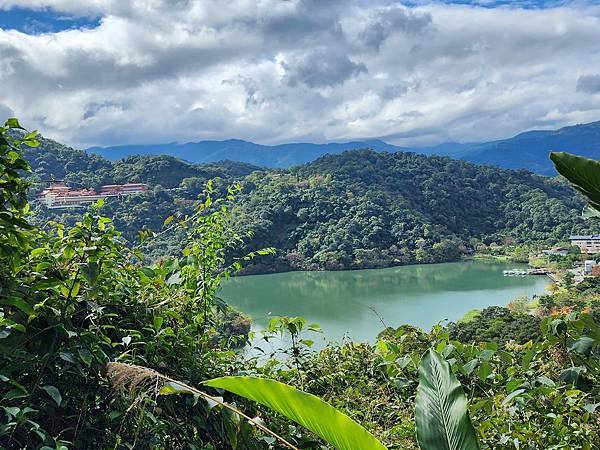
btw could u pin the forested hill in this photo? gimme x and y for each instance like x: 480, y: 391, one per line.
x: 354, y: 210
x: 369, y: 209
x: 528, y: 150
x: 55, y: 161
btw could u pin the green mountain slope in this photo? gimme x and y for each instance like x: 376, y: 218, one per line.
x: 368, y: 209
x: 354, y: 210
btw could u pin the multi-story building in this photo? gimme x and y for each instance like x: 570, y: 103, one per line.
x: 587, y: 243
x: 123, y: 189
x: 59, y: 195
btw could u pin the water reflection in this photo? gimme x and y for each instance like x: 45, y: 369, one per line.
x: 421, y: 295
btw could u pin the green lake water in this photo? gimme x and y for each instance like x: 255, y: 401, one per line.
x: 343, y: 302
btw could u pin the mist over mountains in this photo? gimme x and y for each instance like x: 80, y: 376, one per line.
x: 527, y: 150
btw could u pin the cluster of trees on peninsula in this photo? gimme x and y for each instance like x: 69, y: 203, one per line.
x: 360, y: 209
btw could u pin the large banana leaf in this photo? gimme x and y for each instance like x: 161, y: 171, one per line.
x: 307, y: 410
x: 441, y: 414
x: 584, y: 173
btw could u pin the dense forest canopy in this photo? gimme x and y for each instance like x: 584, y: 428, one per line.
x: 359, y: 209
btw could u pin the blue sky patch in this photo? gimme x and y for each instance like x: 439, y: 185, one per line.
x: 42, y: 21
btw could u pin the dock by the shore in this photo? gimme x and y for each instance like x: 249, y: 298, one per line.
x: 525, y: 272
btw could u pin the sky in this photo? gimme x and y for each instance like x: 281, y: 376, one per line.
x: 110, y: 72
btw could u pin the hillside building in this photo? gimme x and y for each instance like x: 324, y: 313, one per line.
x: 587, y: 243
x: 556, y: 251
x: 59, y: 195
x: 588, y: 266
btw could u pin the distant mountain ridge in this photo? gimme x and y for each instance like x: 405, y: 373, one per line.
x: 282, y: 155
x: 527, y: 150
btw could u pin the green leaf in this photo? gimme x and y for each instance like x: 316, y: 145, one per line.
x: 441, y: 414
x: 168, y: 220
x: 583, y: 173
x: 90, y: 271
x: 590, y: 213
x: 30, y: 136
x: 150, y: 273
x: 306, y: 409
x: 572, y: 374
x: 174, y: 388
x: 583, y: 345
x: 11, y: 410
x: 559, y: 327
x: 75, y: 289
x: 68, y: 252
x: 64, y: 290
x: 174, y: 279
x: 470, y: 366
x: 545, y: 381
x: 512, y: 395
x: 403, y: 361
x: 54, y: 393
x: 485, y: 370
x: 591, y: 407
x: 18, y: 303
x: 486, y: 355
x: 86, y: 356
x: 14, y: 123
x: 65, y: 356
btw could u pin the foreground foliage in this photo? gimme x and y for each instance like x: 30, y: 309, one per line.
x: 75, y: 298
x: 306, y: 409
x: 441, y: 408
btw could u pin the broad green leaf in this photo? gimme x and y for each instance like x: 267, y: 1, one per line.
x: 572, y: 374
x: 485, y: 370
x: 441, y: 414
x: 470, y: 366
x: 583, y: 173
x: 590, y: 213
x: 86, y: 356
x: 512, y: 395
x: 559, y: 327
x: 75, y: 289
x: 306, y: 409
x: 174, y: 279
x: 591, y: 407
x: 54, y: 393
x: 174, y: 388
x: 90, y: 271
x: 65, y: 356
x: 11, y: 410
x: 14, y: 123
x: 149, y: 272
x: 583, y: 345
x: 18, y: 303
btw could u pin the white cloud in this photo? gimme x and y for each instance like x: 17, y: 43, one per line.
x: 275, y: 71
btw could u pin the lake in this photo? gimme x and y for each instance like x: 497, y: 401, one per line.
x: 343, y: 303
